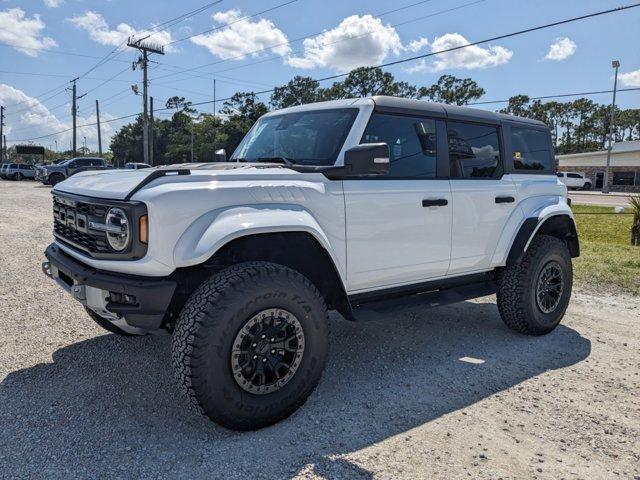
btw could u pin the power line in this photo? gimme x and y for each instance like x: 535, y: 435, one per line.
x: 546, y: 97
x: 448, y: 10
x: 397, y: 62
x: 253, y: 52
x: 231, y: 23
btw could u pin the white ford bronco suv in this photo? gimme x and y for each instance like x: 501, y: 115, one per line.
x: 352, y: 205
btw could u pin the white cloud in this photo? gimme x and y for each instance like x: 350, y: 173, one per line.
x: 630, y: 79
x: 241, y: 37
x: 33, y: 119
x: 18, y: 29
x: 561, y: 49
x: 53, y: 3
x: 367, y: 43
x: 417, y: 45
x: 470, y: 58
x: 98, y: 28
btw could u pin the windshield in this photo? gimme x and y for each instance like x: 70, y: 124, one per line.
x: 307, y: 138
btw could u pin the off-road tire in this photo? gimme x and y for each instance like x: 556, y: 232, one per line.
x: 55, y: 178
x: 586, y: 186
x: 18, y: 177
x: 107, y: 325
x: 208, y: 324
x: 517, y: 285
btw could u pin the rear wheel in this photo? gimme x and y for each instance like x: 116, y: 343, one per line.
x: 533, y: 295
x: 250, y: 344
x: 18, y: 176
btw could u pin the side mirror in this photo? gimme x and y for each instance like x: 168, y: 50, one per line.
x: 367, y: 159
x: 220, y: 155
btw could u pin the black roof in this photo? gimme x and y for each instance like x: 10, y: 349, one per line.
x: 410, y: 105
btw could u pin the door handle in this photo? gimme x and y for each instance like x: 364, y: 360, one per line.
x: 505, y: 199
x: 438, y: 202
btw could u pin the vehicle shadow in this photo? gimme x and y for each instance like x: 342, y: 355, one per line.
x: 109, y: 406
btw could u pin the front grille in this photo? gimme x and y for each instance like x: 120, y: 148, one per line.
x: 71, y: 219
x: 88, y: 242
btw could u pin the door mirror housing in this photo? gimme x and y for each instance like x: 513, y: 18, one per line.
x: 220, y: 155
x: 367, y: 159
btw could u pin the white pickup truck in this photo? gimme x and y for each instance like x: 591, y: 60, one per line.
x: 352, y: 205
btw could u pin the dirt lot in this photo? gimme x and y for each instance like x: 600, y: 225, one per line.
x: 395, y: 401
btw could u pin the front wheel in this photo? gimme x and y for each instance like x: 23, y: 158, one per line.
x: 55, y: 179
x: 17, y: 177
x: 250, y: 344
x: 533, y: 295
x: 587, y: 186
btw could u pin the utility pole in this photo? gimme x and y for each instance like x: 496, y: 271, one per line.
x: 192, y: 140
x: 99, y: 132
x: 605, y: 188
x: 74, y: 112
x: 214, y: 119
x: 146, y: 48
x: 214, y: 98
x: 151, y: 121
x: 1, y: 133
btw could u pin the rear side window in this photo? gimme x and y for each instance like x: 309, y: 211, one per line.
x: 412, y: 144
x: 474, y: 150
x: 531, y: 149
x: 574, y: 175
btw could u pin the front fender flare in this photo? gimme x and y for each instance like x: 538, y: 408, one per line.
x: 210, y: 232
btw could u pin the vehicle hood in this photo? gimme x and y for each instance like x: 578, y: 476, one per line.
x: 117, y: 184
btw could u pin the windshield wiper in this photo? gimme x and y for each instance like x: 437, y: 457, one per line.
x: 284, y: 160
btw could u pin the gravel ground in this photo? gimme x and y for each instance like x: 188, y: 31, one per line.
x: 395, y: 401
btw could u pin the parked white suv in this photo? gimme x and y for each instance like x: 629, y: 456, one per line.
x: 575, y: 180
x: 351, y: 205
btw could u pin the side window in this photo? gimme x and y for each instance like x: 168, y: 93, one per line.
x: 474, y: 150
x: 531, y: 149
x: 412, y: 144
x: 574, y: 175
x: 561, y: 175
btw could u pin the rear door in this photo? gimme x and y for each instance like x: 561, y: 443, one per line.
x: 482, y: 199
x: 398, y: 226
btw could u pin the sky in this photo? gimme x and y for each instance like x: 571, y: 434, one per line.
x: 256, y: 45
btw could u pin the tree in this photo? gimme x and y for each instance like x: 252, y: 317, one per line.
x: 298, y: 91
x: 180, y: 104
x: 453, y: 90
x: 518, y: 106
x: 245, y: 105
x: 367, y: 82
x: 126, y: 145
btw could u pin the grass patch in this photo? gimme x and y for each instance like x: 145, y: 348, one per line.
x: 607, y: 260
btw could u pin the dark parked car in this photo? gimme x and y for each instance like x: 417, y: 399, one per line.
x: 54, y: 174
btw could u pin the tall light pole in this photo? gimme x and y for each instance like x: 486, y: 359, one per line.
x: 605, y: 187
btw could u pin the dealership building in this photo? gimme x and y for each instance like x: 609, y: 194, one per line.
x: 624, y: 169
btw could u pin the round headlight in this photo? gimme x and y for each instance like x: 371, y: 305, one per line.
x: 119, y: 231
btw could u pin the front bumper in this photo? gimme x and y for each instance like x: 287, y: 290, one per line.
x: 135, y: 304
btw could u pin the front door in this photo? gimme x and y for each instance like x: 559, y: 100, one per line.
x: 482, y: 200
x: 398, y: 227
